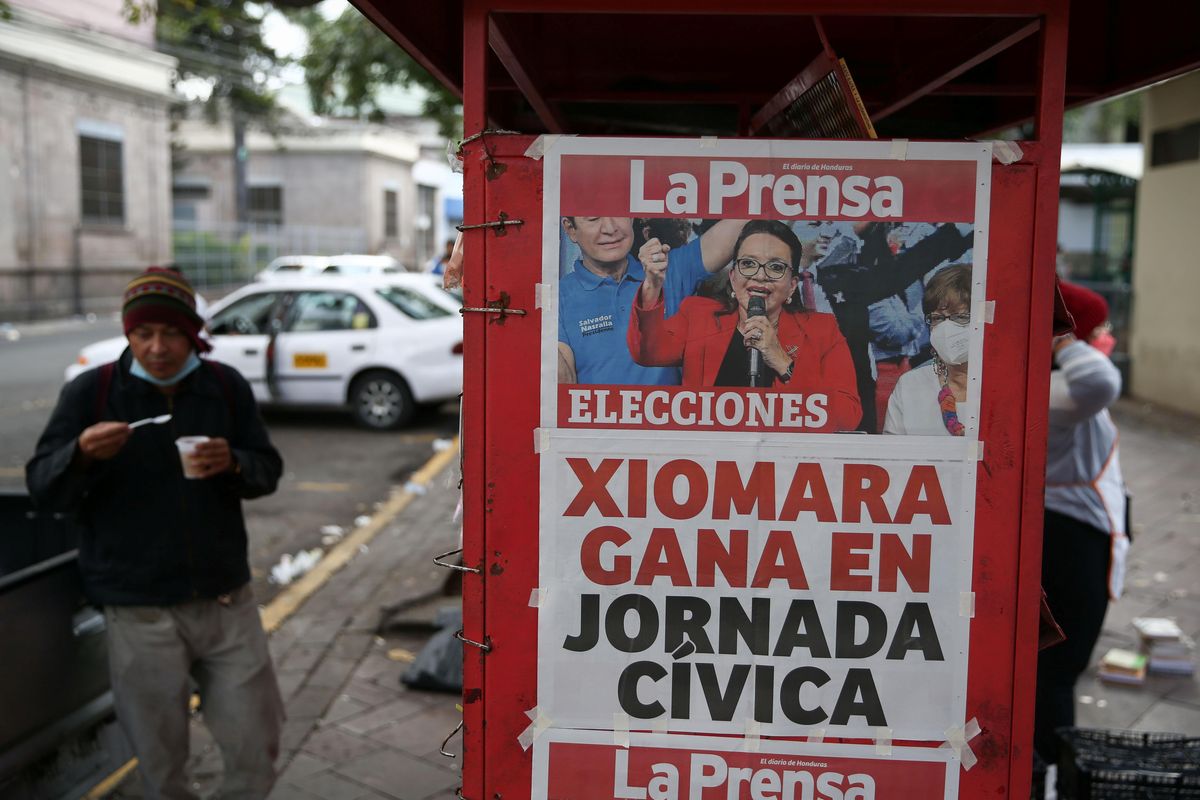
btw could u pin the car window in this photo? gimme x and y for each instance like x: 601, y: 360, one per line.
x: 287, y: 268
x: 412, y: 303
x: 247, y: 316
x: 332, y: 269
x: 329, y: 311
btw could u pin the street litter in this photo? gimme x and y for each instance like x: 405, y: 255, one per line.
x: 412, y: 487
x: 331, y: 534
x: 400, y: 654
x: 361, y: 520
x: 442, y: 444
x: 291, y: 567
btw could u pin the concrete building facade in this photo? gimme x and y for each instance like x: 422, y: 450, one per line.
x: 84, y: 147
x: 1166, y: 283
x: 327, y: 176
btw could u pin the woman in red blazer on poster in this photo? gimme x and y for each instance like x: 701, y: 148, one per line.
x: 799, y: 350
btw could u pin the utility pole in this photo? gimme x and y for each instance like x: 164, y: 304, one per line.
x: 241, y: 193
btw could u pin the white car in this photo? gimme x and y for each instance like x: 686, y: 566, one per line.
x: 348, y: 264
x: 376, y: 345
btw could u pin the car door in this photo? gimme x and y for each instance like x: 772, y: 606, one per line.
x: 241, y: 333
x: 327, y: 335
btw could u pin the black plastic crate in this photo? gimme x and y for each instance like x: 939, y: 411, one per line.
x: 1128, y: 765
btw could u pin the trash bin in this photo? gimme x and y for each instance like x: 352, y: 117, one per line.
x: 1128, y: 765
x: 54, y: 673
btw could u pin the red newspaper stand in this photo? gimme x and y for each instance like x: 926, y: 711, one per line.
x: 685, y: 585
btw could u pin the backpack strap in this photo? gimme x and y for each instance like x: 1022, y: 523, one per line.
x: 105, y: 378
x: 226, y: 386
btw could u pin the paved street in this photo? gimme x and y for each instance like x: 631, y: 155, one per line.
x: 1160, y: 457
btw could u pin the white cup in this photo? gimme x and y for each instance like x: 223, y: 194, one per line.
x: 187, y: 445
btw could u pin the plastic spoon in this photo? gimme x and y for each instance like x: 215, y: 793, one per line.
x: 159, y: 420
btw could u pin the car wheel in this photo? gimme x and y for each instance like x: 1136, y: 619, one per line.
x: 381, y: 401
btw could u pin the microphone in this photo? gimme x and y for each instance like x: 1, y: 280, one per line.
x: 755, y: 307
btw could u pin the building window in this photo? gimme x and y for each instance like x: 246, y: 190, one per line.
x: 391, y: 213
x: 186, y: 195
x: 426, y: 209
x: 1175, y: 145
x: 101, y: 181
x: 266, y: 205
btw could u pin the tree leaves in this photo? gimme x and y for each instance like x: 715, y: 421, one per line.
x: 350, y: 62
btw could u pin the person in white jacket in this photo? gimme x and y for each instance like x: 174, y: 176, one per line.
x: 1084, y: 538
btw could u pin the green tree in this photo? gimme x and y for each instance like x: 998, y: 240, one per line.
x: 350, y: 61
x: 220, y: 43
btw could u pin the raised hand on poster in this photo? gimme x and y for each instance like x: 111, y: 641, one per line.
x: 653, y: 255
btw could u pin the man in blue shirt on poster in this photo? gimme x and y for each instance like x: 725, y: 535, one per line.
x: 596, y: 297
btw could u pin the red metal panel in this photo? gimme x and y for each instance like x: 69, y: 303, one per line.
x: 999, y: 692
x: 990, y: 690
x: 501, y: 39
x: 918, y: 8
x: 1052, y: 86
x: 512, y: 402
x: 474, y: 437
x: 972, y: 56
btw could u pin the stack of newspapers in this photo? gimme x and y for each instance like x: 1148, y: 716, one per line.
x: 1123, y: 666
x: 1169, y: 650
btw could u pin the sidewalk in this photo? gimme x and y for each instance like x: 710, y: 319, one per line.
x: 354, y: 731
x: 1160, y: 458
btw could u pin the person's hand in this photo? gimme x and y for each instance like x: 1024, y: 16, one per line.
x: 103, y: 440
x: 1059, y: 342
x: 212, y: 458
x: 760, y: 334
x: 653, y: 255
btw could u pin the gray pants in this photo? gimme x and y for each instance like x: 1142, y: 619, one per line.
x: 153, y: 651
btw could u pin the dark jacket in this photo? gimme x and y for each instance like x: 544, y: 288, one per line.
x: 151, y: 536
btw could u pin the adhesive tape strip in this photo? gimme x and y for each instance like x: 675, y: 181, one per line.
x: 660, y: 725
x: 966, y: 605
x: 900, y: 149
x: 621, y: 729
x: 538, y: 147
x: 750, y: 744
x: 883, y: 741
x: 541, y: 440
x: 708, y: 143
x: 1007, y: 152
x: 536, y: 598
x: 817, y: 736
x: 535, y: 728
x: 957, y: 739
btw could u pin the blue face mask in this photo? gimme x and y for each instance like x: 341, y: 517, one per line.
x: 189, y: 366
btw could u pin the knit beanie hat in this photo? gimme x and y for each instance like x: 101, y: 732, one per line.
x: 163, y: 296
x: 1088, y: 309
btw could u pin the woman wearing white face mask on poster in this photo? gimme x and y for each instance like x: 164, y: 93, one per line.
x: 926, y: 400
